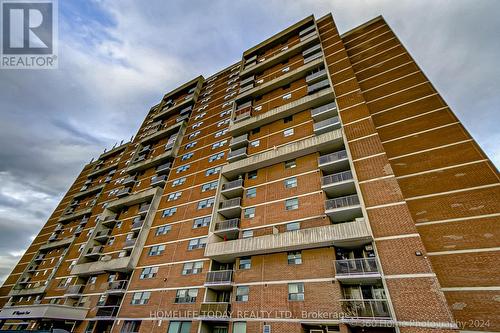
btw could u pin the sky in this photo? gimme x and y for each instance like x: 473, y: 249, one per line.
x: 117, y: 59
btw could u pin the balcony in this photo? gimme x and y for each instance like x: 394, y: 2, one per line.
x: 129, y: 181
x: 219, y: 280
x: 52, y: 237
x: 230, y: 208
x: 137, y: 224
x: 232, y: 189
x: 236, y: 155
x: 102, y: 236
x: 363, y: 309
x: 215, y: 309
x: 343, y: 234
x: 124, y: 192
x: 57, y: 243
x: 334, y: 162
x: 74, y: 290
x: 245, y: 124
x: 338, y: 184
x: 21, y: 291
x: 90, y: 191
x: 324, y: 111
x: 151, y: 162
x: 159, y: 180
x: 39, y: 258
x: 107, y: 311
x: 75, y: 215
x: 228, y: 229
x: 58, y: 227
x: 326, y: 125
x: 94, y: 252
x: 163, y: 132
x: 163, y: 169
x: 343, y: 209
x: 143, y: 209
x: 356, y: 270
x: 99, y: 170
x: 129, y: 243
x: 117, y: 287
x: 109, y: 221
x: 239, y: 141
x: 316, y: 76
x: 310, y: 145
x: 243, y: 112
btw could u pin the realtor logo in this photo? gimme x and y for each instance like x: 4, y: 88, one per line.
x: 29, y: 34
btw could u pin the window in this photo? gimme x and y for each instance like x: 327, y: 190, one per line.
x: 296, y: 291
x: 209, y: 186
x: 216, y: 157
x: 179, y: 327
x: 156, y: 250
x: 252, y: 174
x: 199, y: 116
x: 225, y: 113
x: 249, y: 213
x: 245, y: 263
x: 183, y: 168
x: 256, y: 130
x: 287, y: 96
x: 179, y: 181
x: 251, y: 192
x: 220, y: 133
x: 257, y: 108
x: 194, y: 134
x: 291, y: 182
x: 92, y: 280
x: 290, y: 164
x: 295, y: 258
x: 90, y: 327
x: 140, y: 298
x: 198, y: 124
x: 131, y: 326
x: 288, y: 132
x: 198, y: 243
x: 293, y: 226
x: 255, y: 143
x: 219, y: 144
x: 201, y: 222
x: 187, y: 156
x: 174, y: 196
x: 190, y: 145
x: 242, y: 293
x: 292, y: 204
x: 169, y: 212
x: 285, y: 69
x: 164, y: 229
x: 247, y: 234
x: 148, y: 273
x: 186, y: 296
x: 223, y: 122
x: 288, y: 119
x: 213, y: 171
x: 206, y: 203
x: 192, y: 268
x: 111, y: 240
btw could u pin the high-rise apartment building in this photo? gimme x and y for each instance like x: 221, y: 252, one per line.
x: 320, y: 184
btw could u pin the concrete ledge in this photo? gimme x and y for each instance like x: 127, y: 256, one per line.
x: 59, y: 243
x: 75, y: 215
x: 349, y: 233
x: 90, y: 191
x: 49, y: 311
x: 28, y: 291
x: 103, y: 170
x: 132, y: 199
x: 311, y: 101
x: 329, y: 140
x: 162, y: 133
x: 95, y: 267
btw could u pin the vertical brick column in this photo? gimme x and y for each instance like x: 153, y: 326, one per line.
x: 411, y: 283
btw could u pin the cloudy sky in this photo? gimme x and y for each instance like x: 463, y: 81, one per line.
x: 117, y: 58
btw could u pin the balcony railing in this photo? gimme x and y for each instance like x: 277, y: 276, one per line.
x: 164, y: 168
x: 232, y: 185
x: 333, y: 157
x: 318, y: 86
x: 74, y: 290
x: 337, y: 178
x: 239, y: 141
x: 316, y: 75
x: 342, y: 202
x: 109, y: 220
x: 124, y: 192
x: 236, y: 202
x: 107, y: 311
x: 130, y: 243
x: 94, y: 251
x: 361, y: 266
x: 137, y: 224
x: 158, y: 180
x: 323, y: 109
x: 327, y: 124
x: 227, y: 225
x: 144, y: 209
x: 365, y: 309
x: 243, y: 113
x: 219, y: 277
x: 117, y: 286
x: 129, y: 181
